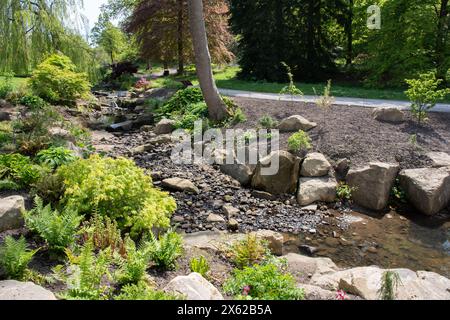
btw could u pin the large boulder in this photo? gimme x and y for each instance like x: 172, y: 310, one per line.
x: 284, y: 181
x: 303, y: 267
x: 439, y: 159
x: 296, y: 123
x: 15, y: 290
x: 366, y: 283
x: 388, y: 115
x: 235, y: 168
x: 5, y: 116
x: 194, y: 287
x: 427, y: 189
x: 274, y: 239
x: 165, y: 126
x: 316, y: 189
x: 178, y: 184
x: 11, y: 213
x: 315, y: 165
x: 373, y: 184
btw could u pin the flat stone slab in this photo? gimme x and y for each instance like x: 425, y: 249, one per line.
x: 15, y: 290
x: 440, y: 159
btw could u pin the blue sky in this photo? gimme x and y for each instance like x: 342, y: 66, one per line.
x: 92, y: 10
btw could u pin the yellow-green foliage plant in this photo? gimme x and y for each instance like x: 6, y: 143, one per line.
x: 116, y: 188
x: 57, y: 80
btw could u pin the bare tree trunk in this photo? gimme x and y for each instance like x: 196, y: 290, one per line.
x: 216, y: 107
x: 180, y: 38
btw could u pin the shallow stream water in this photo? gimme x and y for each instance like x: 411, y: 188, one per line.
x: 390, y: 241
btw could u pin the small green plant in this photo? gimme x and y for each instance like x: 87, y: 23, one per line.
x: 290, y: 89
x: 263, y: 282
x: 325, y: 101
x: 57, y: 229
x: 55, y: 157
x: 6, y: 85
x: 238, y: 116
x: 267, y: 122
x: 49, y: 187
x: 133, y: 264
x: 17, y: 172
x: 86, y: 275
x: 6, y: 134
x: 116, y: 188
x: 57, y: 81
x: 200, y: 265
x: 104, y: 233
x: 249, y: 251
x: 15, y: 257
x: 299, y: 141
x: 143, y: 291
x: 165, y: 251
x: 397, y: 192
x: 344, y: 192
x: 32, y: 101
x: 390, y: 282
x: 424, y: 94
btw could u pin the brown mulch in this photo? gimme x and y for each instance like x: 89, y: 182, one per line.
x: 351, y: 132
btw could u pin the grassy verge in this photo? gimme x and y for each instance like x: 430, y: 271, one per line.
x: 16, y: 82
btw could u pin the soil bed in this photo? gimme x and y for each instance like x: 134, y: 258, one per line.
x: 351, y: 132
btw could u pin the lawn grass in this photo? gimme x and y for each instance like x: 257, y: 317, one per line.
x: 227, y: 79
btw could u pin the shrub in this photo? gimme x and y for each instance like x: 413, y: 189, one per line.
x: 143, y: 83
x: 165, y: 251
x: 263, y: 282
x: 299, y: 141
x: 17, y: 94
x: 249, y: 251
x: 15, y: 257
x: 344, y: 192
x: 238, y: 116
x: 424, y: 94
x: 32, y: 101
x: 181, y: 100
x: 116, y: 188
x: 267, y: 122
x: 193, y: 112
x: 142, y: 291
x: 57, y: 229
x: 389, y: 285
x: 200, y: 265
x: 133, y: 265
x: 6, y: 86
x: 6, y: 133
x: 17, y: 171
x: 86, y: 275
x: 57, y: 81
x: 55, y: 157
x: 49, y: 187
x: 104, y: 233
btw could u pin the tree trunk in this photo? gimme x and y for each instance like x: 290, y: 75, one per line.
x: 441, y: 39
x: 216, y: 107
x: 349, y: 33
x: 180, y: 38
x: 166, y: 72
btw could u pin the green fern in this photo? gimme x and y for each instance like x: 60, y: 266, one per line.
x: 132, y: 268
x: 200, y: 265
x: 15, y: 257
x: 165, y: 251
x: 142, y: 291
x: 57, y: 229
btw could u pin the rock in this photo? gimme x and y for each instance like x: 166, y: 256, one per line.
x: 5, y: 116
x: 311, y: 208
x: 165, y: 126
x: 105, y: 148
x: 373, y: 184
x: 146, y: 128
x: 341, y: 169
x: 233, y: 225
x: 388, y: 115
x: 179, y: 184
x: 440, y: 159
x: 158, y: 140
x: 274, y: 239
x: 317, y: 293
x: 300, y: 266
x: 194, y: 287
x: 296, y: 123
x: 309, y: 250
x: 284, y: 181
x: 60, y: 133
x: 5, y: 104
x: 143, y: 120
x: 315, y: 165
x: 366, y: 282
x: 263, y: 195
x: 231, y: 211
x: 427, y: 189
x: 15, y: 290
x: 231, y: 166
x: 316, y: 189
x: 11, y: 213
x: 215, y: 218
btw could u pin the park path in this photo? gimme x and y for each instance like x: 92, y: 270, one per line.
x: 357, y: 102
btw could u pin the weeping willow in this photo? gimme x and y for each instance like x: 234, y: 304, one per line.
x: 30, y: 30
